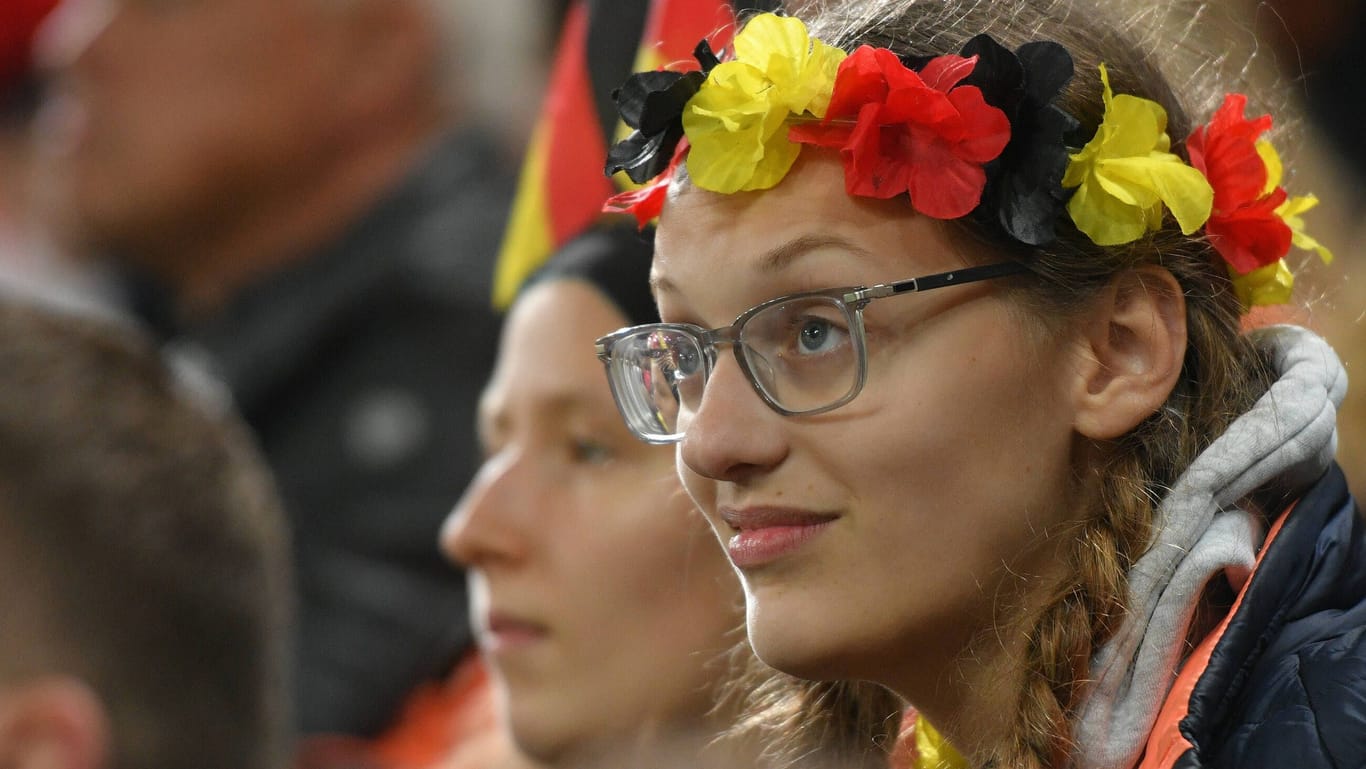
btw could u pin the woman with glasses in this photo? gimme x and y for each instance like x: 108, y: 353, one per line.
x: 954, y: 356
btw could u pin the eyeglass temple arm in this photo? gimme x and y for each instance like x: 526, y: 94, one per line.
x: 937, y: 280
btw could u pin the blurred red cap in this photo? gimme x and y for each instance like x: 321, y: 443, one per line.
x: 19, y: 20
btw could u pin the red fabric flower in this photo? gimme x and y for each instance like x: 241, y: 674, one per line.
x: 898, y: 131
x: 647, y: 203
x: 19, y: 22
x: 1244, y: 227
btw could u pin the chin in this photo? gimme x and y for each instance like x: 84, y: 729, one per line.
x: 557, y: 724
x: 790, y: 647
x: 833, y: 649
x: 560, y: 739
x: 539, y: 735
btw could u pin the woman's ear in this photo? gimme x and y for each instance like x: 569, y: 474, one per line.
x: 53, y: 722
x: 1134, y: 348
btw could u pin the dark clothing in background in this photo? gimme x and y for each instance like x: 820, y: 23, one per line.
x: 1337, y: 97
x: 359, y: 369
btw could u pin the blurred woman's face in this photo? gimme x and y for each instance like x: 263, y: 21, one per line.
x: 598, y: 597
x: 879, y: 540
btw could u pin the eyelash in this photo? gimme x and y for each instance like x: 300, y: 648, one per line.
x: 581, y: 450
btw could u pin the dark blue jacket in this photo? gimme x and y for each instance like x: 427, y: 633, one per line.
x: 1284, y: 682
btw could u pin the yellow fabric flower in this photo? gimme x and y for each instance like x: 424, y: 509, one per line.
x: 1267, y: 285
x: 1275, y: 283
x: 1290, y: 212
x: 932, y: 750
x: 1291, y: 209
x: 1126, y: 173
x: 802, y: 70
x: 737, y: 134
x: 737, y: 123
x: 1275, y: 170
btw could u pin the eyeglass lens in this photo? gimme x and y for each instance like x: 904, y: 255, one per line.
x: 800, y: 354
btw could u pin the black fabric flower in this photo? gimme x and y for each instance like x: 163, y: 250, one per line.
x: 1024, y: 186
x: 1024, y: 193
x: 652, y: 103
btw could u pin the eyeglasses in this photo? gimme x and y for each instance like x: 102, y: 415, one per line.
x: 802, y: 353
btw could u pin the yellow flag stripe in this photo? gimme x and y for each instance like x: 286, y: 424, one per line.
x: 528, y: 241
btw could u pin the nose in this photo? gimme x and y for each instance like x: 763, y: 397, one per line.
x: 733, y: 434
x: 486, y: 527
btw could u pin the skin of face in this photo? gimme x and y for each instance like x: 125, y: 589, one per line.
x: 598, y: 596
x: 177, y: 117
x: 943, y: 483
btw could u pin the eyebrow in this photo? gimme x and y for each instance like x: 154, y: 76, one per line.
x: 777, y: 258
x: 783, y: 255
x: 561, y: 403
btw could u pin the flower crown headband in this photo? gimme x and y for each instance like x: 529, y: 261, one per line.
x: 977, y: 133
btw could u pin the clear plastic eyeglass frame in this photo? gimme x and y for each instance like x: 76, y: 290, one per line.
x: 653, y: 369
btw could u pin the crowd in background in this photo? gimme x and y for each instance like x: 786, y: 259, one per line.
x: 248, y: 258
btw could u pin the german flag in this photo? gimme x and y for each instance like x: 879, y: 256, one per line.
x: 562, y: 186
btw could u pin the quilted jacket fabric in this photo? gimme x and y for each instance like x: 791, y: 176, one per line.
x: 1284, y: 684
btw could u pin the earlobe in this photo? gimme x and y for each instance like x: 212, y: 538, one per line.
x: 54, y: 722
x: 1135, y: 348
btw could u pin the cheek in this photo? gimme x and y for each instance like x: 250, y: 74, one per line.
x: 701, y: 493
x: 977, y: 458
x: 660, y: 603
x: 659, y: 553
x: 700, y: 489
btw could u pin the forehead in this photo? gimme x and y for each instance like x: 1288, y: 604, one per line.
x: 806, y: 226
x: 546, y: 351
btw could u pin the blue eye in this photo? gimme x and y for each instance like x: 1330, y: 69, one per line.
x: 814, y: 335
x: 685, y: 362
x: 818, y: 335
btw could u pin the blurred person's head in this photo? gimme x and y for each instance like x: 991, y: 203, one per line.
x: 142, y: 562
x: 600, y: 604
x: 19, y: 22
x: 207, y: 141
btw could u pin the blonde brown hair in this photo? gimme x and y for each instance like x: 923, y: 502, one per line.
x: 1221, y: 377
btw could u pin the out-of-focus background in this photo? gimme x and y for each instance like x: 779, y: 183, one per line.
x: 312, y: 203
x: 1320, y: 50
x: 1305, y: 63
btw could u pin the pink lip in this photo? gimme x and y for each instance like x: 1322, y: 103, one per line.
x: 765, y: 534
x: 505, y: 633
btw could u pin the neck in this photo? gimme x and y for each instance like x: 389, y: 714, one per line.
x: 972, y: 688
x: 981, y: 718
x: 694, y: 747
x: 969, y: 694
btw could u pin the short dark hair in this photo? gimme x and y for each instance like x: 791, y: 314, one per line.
x: 145, y: 535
